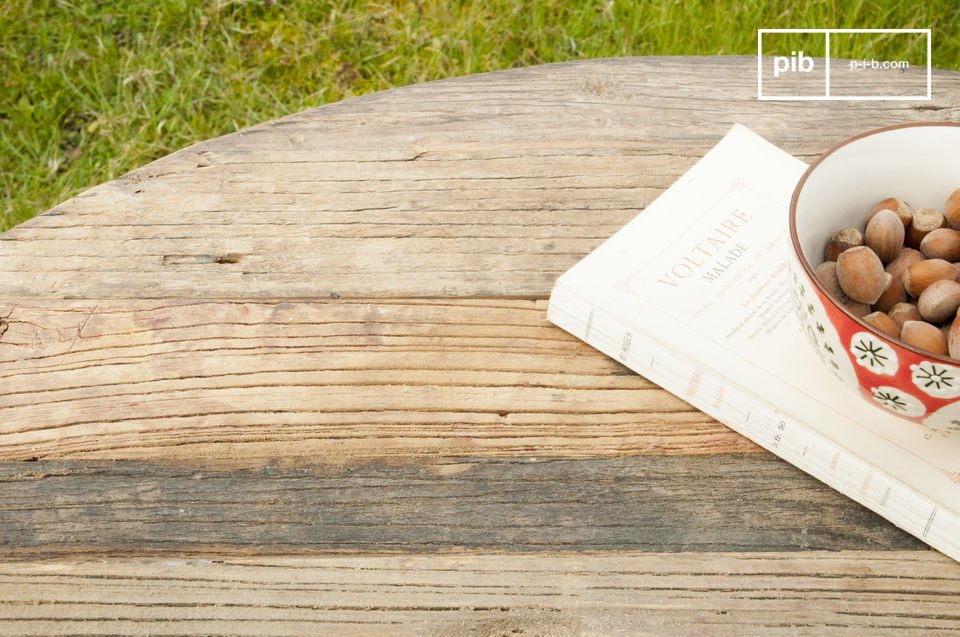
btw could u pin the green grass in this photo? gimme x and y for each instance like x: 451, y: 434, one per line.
x: 90, y: 90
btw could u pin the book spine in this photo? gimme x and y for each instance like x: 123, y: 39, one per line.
x: 755, y: 418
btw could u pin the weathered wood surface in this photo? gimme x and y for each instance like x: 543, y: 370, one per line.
x: 490, y: 185
x: 323, y: 381
x: 488, y: 595
x: 715, y: 503
x: 327, y: 334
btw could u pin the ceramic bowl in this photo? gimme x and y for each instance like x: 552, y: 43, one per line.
x: 919, y: 163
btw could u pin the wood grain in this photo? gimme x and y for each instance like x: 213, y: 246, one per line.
x: 660, y: 504
x: 298, y: 380
x: 488, y: 595
x: 314, y: 382
x: 489, y: 185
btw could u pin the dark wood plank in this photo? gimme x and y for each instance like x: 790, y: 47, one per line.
x: 715, y: 503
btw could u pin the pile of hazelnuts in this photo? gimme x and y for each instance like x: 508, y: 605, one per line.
x: 901, y: 274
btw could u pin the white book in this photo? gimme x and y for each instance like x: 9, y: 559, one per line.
x: 694, y: 294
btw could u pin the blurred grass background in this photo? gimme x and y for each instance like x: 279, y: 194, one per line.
x: 91, y: 89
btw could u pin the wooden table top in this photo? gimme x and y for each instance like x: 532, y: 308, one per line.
x: 299, y: 380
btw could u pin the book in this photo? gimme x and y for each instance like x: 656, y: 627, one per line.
x: 694, y: 294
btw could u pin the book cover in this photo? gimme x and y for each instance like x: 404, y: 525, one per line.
x: 694, y: 294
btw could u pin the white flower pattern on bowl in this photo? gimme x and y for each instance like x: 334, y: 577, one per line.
x: 936, y: 379
x: 897, y: 401
x: 947, y: 418
x: 873, y: 354
x: 818, y: 329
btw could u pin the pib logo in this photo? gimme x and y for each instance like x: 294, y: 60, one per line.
x: 806, y: 74
x: 796, y: 62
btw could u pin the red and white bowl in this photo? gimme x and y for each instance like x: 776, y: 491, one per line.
x: 919, y: 163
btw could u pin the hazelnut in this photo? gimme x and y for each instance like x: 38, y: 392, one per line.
x: 942, y: 243
x: 860, y: 274
x: 939, y: 301
x: 953, y: 340
x: 857, y: 308
x: 906, y: 258
x: 924, y: 336
x: 884, y: 235
x: 925, y: 220
x: 900, y: 273
x: 919, y: 275
x: 883, y: 323
x: 893, y: 294
x: 827, y: 273
x: 903, y: 312
x: 951, y: 209
x: 899, y: 206
x: 842, y: 240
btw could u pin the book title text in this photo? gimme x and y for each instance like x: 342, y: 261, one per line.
x: 713, y: 255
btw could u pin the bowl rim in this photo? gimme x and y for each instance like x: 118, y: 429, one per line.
x: 811, y: 275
